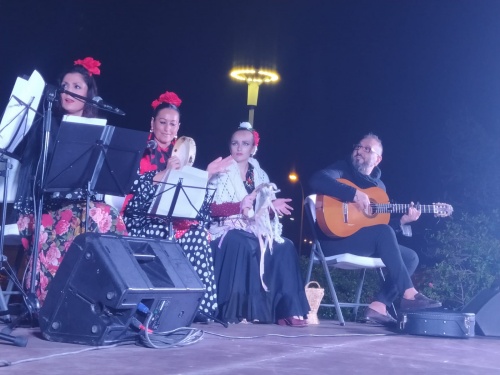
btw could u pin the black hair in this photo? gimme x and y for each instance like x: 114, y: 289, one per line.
x: 166, y: 105
x: 88, y: 110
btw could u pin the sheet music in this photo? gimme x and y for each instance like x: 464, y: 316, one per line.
x: 17, y: 118
x: 85, y: 120
x: 191, y: 197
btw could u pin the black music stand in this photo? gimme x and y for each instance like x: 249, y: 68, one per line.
x: 103, y: 159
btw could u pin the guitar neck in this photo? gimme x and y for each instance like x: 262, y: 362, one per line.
x: 395, y: 208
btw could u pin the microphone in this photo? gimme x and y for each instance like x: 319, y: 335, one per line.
x: 152, y: 144
x: 99, y: 103
x: 51, y: 92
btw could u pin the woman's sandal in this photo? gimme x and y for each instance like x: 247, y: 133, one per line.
x: 292, y: 322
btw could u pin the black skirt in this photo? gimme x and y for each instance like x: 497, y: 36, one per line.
x: 240, y: 291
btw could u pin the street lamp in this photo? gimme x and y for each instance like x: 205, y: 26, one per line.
x: 294, y: 178
x: 254, y: 78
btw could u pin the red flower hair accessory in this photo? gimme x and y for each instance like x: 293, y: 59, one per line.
x: 167, y: 97
x: 248, y: 126
x: 90, y: 64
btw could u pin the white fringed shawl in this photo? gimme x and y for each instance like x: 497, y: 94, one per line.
x: 230, y: 188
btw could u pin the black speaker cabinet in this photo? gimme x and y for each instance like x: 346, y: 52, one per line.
x: 104, y: 279
x: 486, y: 306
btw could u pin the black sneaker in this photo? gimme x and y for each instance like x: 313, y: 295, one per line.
x: 420, y: 302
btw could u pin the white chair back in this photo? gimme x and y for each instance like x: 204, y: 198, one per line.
x: 114, y: 201
x: 12, y: 181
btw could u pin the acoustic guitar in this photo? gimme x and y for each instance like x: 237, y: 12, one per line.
x: 342, y: 219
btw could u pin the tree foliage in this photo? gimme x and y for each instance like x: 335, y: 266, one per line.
x: 466, y: 259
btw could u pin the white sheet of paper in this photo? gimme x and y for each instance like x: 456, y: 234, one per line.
x: 194, y: 183
x: 14, y: 120
x: 26, y: 91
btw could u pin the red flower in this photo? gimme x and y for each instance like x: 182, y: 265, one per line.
x: 256, y: 137
x: 25, y: 242
x: 167, y: 97
x: 47, y: 220
x: 90, y: 64
x: 66, y: 215
x: 62, y: 227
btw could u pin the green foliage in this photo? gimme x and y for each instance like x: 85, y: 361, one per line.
x: 346, y: 283
x: 466, y: 259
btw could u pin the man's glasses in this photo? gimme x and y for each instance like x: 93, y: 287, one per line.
x: 366, y: 149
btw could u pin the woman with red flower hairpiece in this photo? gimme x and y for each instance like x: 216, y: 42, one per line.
x: 156, y: 161
x: 63, y: 216
x: 257, y: 270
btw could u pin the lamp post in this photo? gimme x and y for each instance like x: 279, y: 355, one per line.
x: 294, y: 178
x: 254, y: 78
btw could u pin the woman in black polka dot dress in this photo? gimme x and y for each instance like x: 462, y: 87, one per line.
x: 192, y: 235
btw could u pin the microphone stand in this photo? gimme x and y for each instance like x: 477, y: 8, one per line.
x: 51, y: 94
x: 94, y: 102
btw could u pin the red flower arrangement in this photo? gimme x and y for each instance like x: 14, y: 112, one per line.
x: 90, y: 64
x: 167, y: 97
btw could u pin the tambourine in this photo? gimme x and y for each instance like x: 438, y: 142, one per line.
x: 185, y: 150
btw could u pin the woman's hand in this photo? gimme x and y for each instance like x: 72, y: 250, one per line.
x: 246, y: 204
x: 174, y: 163
x: 219, y: 165
x: 281, y: 206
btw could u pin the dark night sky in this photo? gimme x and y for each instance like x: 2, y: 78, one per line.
x: 415, y: 72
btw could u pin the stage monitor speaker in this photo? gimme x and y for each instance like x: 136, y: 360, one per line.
x: 486, y: 306
x: 102, y: 280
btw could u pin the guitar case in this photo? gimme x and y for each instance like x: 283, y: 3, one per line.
x: 441, y: 323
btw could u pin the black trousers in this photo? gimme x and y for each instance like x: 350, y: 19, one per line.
x: 379, y: 241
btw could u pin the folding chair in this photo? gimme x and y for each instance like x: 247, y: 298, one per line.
x: 345, y: 261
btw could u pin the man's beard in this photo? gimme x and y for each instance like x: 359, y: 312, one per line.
x: 360, y: 164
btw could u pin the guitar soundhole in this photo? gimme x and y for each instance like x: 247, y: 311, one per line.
x: 372, y: 210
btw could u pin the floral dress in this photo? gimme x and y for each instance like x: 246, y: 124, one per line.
x: 191, y: 235
x: 62, y: 220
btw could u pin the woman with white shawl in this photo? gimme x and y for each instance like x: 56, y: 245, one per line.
x: 257, y: 270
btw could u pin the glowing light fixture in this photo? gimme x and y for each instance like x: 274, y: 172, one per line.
x: 252, y: 75
x: 254, y: 78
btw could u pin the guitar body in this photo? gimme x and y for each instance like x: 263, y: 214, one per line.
x: 341, y: 219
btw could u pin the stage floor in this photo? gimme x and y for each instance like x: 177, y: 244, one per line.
x: 327, y: 348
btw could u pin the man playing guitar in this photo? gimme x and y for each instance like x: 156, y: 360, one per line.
x: 375, y: 240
